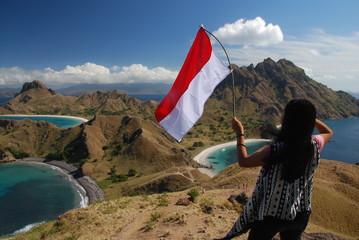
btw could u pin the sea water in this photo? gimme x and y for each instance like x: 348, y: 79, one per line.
x: 32, y: 194
x: 343, y: 146
x: 60, y: 122
x: 224, y: 157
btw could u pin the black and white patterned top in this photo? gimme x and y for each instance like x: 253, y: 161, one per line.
x: 275, y: 197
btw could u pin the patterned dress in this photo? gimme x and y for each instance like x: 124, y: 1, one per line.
x: 275, y: 197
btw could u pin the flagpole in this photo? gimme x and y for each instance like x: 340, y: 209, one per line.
x: 230, y: 66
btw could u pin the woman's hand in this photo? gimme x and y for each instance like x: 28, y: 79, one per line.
x: 237, y: 126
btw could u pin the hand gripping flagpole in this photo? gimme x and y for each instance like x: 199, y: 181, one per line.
x: 230, y: 66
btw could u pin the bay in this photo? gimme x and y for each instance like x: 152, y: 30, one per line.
x: 31, y: 194
x: 224, y: 157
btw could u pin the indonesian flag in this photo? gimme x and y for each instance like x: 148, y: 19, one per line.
x: 201, y: 72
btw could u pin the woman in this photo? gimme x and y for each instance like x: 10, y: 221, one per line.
x: 281, y: 201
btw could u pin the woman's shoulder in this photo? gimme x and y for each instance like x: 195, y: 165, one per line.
x: 319, y: 140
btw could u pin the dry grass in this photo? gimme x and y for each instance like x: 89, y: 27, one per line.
x: 335, y: 210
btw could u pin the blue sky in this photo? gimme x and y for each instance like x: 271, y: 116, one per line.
x: 87, y: 41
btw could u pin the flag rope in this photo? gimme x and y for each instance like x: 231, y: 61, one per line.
x: 230, y: 67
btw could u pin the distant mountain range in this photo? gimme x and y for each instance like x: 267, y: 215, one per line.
x: 78, y: 90
x: 128, y: 88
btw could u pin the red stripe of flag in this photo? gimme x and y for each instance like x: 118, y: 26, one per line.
x: 197, y: 57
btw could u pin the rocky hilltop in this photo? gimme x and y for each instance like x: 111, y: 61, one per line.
x: 263, y: 90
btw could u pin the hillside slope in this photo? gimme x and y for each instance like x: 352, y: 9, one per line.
x: 212, y: 215
x: 107, y: 148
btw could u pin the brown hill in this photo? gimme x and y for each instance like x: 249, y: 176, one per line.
x: 123, y: 143
x: 263, y: 91
x: 35, y: 138
x: 36, y: 98
x: 109, y: 146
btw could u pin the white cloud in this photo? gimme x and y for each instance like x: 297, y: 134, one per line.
x: 87, y: 73
x: 328, y: 59
x: 87, y: 69
x: 140, y: 73
x: 249, y: 32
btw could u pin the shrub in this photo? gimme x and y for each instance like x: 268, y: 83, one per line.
x: 193, y: 194
x: 198, y: 144
x: 207, y: 205
x: 242, y: 198
x: 16, y: 153
x: 118, y: 178
x: 131, y: 172
x: 163, y: 200
x: 104, y: 183
x: 154, y: 219
x: 104, y: 147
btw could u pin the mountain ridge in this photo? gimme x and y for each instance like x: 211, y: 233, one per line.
x: 267, y: 87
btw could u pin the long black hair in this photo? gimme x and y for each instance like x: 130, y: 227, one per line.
x: 297, y: 128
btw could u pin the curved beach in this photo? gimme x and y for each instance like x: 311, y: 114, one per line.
x: 58, y: 116
x: 202, y: 157
x: 84, y: 184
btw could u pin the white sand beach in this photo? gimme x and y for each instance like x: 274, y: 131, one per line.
x: 58, y: 116
x: 202, y: 157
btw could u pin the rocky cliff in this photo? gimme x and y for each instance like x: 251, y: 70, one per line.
x: 263, y: 90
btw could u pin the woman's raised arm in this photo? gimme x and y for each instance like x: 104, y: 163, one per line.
x: 324, y: 130
x: 244, y: 160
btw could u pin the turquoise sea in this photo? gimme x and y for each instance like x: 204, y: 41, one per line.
x: 60, y: 122
x: 226, y: 156
x: 343, y: 146
x: 31, y: 194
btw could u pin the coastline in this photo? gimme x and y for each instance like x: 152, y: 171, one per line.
x: 202, y: 157
x: 58, y: 116
x: 84, y: 184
